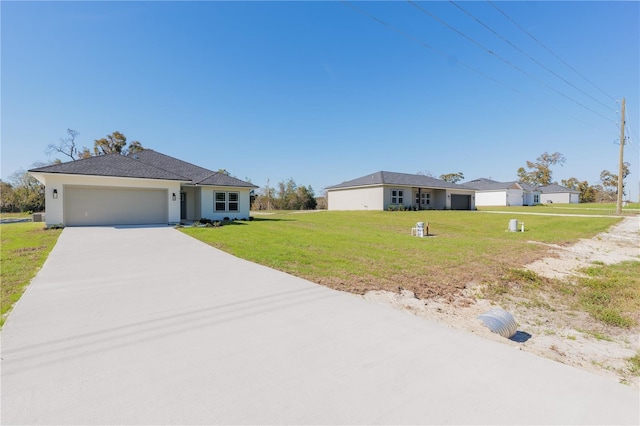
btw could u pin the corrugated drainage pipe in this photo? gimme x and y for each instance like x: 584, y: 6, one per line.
x: 500, y: 321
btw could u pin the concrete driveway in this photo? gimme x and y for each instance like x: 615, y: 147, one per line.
x: 149, y: 326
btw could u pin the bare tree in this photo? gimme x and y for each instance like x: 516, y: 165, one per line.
x: 67, y: 146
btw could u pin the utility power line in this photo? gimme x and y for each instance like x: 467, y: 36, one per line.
x: 423, y: 44
x: 446, y: 56
x: 548, y: 50
x: 501, y: 37
x: 632, y: 139
x: 491, y: 52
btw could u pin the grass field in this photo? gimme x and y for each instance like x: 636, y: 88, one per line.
x: 604, y: 209
x: 24, y: 248
x: 361, y: 251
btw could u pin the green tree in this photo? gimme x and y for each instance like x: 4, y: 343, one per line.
x: 115, y: 143
x: 540, y: 173
x: 610, y: 180
x: 290, y: 196
x: 452, y: 177
x: 28, y: 192
x: 285, y: 199
x: 7, y: 203
x: 305, y: 198
x: 588, y: 193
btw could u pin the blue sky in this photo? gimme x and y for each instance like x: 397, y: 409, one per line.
x: 322, y: 93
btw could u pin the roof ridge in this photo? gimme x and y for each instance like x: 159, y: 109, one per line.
x: 134, y: 158
x: 207, y: 176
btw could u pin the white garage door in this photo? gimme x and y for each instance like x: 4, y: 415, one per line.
x: 114, y: 206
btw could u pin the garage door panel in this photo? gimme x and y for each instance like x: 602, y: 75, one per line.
x: 114, y: 206
x: 460, y: 202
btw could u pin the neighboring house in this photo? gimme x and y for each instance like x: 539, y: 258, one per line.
x: 143, y: 188
x: 493, y: 193
x: 558, y: 194
x: 384, y: 190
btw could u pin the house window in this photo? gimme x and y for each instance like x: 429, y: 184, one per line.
x: 425, y: 199
x: 226, y: 201
x: 536, y: 198
x: 233, y: 201
x: 220, y: 203
x: 397, y: 196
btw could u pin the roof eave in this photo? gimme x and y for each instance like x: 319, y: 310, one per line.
x: 34, y: 173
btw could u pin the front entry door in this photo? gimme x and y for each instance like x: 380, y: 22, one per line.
x: 183, y: 206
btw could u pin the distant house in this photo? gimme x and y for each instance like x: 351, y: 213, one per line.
x: 493, y: 193
x: 558, y: 194
x: 383, y: 190
x: 143, y: 188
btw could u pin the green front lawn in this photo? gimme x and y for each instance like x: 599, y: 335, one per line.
x: 361, y: 251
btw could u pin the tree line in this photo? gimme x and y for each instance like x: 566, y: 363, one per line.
x: 539, y: 173
x: 287, y: 195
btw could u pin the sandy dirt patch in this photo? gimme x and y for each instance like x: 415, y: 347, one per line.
x: 621, y: 242
x: 561, y: 335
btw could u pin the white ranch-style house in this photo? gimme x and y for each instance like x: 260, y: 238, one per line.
x: 493, y: 193
x: 384, y: 190
x: 558, y: 194
x: 138, y: 189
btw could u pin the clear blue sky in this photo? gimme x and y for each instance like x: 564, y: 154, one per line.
x: 321, y: 93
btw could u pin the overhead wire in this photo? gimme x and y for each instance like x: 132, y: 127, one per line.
x: 506, y: 61
x: 632, y: 140
x: 424, y: 44
x: 501, y: 37
x: 446, y: 56
x: 549, y: 50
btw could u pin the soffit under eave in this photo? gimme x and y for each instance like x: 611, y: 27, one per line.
x: 78, y: 175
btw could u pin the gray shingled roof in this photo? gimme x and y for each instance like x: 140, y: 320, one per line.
x: 147, y: 164
x: 400, y: 179
x: 553, y: 189
x: 484, y: 184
